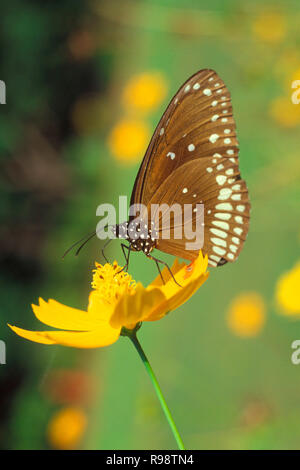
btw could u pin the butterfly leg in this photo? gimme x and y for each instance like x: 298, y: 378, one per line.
x: 102, y: 250
x: 166, y: 265
x: 128, y: 248
x: 159, y: 270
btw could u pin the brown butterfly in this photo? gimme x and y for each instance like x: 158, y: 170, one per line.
x: 192, y: 158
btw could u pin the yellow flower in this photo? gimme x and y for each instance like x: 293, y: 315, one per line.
x: 66, y: 428
x: 116, y: 302
x: 145, y: 92
x: 287, y: 291
x: 285, y: 112
x: 128, y: 140
x: 246, y: 315
x: 269, y: 27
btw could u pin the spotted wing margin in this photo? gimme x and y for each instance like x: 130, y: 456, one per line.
x: 216, y: 184
x: 194, y: 126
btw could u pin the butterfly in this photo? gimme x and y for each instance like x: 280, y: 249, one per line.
x: 192, y: 158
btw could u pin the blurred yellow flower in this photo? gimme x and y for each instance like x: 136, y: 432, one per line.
x: 116, y: 302
x: 296, y: 75
x: 66, y: 428
x: 246, y: 314
x: 285, y: 112
x: 145, y: 92
x: 128, y: 140
x: 287, y: 62
x: 269, y: 27
x: 288, y: 291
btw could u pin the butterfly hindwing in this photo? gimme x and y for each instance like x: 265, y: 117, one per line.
x: 223, y: 225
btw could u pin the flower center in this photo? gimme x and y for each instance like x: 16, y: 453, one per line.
x: 111, y: 282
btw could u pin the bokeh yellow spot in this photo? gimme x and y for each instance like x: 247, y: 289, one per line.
x: 288, y: 291
x: 269, y: 27
x: 66, y: 428
x: 145, y: 92
x: 296, y: 75
x: 286, y: 64
x: 128, y: 140
x: 246, y: 314
x: 285, y: 112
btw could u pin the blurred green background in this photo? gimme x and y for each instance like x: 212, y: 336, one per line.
x: 72, y: 133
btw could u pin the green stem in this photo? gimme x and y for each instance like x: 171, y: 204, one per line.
x: 157, y: 389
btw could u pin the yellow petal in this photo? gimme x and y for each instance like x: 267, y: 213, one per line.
x: 98, y: 310
x: 36, y: 336
x: 134, y: 308
x: 88, y: 339
x: 189, y: 277
x: 57, y: 315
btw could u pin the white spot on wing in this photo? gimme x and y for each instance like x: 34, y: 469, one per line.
x: 218, y: 241
x: 171, y: 155
x: 220, y: 224
x: 221, y: 179
x: 219, y: 250
x: 224, y: 206
x: 238, y: 230
x: 213, y: 138
x: 223, y: 215
x: 218, y: 232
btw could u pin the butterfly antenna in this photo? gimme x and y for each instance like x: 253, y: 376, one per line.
x: 84, y: 239
x: 89, y: 235
x: 84, y: 243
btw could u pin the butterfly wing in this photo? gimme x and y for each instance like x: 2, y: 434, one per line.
x: 195, y: 146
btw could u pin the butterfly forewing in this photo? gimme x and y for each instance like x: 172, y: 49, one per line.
x: 193, y: 158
